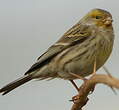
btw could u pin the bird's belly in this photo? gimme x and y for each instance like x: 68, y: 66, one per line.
x: 82, y: 66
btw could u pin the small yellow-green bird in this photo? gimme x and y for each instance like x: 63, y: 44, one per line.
x: 88, y: 41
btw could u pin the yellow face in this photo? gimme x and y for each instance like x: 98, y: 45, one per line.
x: 100, y: 17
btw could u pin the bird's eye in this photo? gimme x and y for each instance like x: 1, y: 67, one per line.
x: 98, y: 17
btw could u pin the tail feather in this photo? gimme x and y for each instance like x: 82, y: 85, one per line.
x: 15, y: 84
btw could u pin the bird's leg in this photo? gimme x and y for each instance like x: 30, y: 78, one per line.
x: 78, y: 89
x: 74, y: 84
x: 94, y: 68
x: 79, y: 77
x: 94, y: 72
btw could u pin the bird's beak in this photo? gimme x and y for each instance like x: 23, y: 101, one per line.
x: 108, y: 21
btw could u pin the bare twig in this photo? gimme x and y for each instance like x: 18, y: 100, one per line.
x: 81, y: 99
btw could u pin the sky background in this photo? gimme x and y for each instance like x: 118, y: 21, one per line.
x: 27, y: 29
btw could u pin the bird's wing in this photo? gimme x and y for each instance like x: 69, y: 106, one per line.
x: 70, y: 38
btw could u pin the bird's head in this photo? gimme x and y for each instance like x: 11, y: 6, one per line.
x: 98, y: 17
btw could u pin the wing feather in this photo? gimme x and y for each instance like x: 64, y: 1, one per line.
x: 63, y: 43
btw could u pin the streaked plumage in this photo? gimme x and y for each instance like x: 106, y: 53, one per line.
x: 89, y: 40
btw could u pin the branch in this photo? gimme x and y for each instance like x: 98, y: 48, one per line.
x: 82, y: 98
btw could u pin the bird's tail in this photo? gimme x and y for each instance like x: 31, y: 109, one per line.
x: 15, y: 84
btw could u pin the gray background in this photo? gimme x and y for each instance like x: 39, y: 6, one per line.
x: 27, y: 29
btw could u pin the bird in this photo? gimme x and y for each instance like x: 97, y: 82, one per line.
x: 85, y: 45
